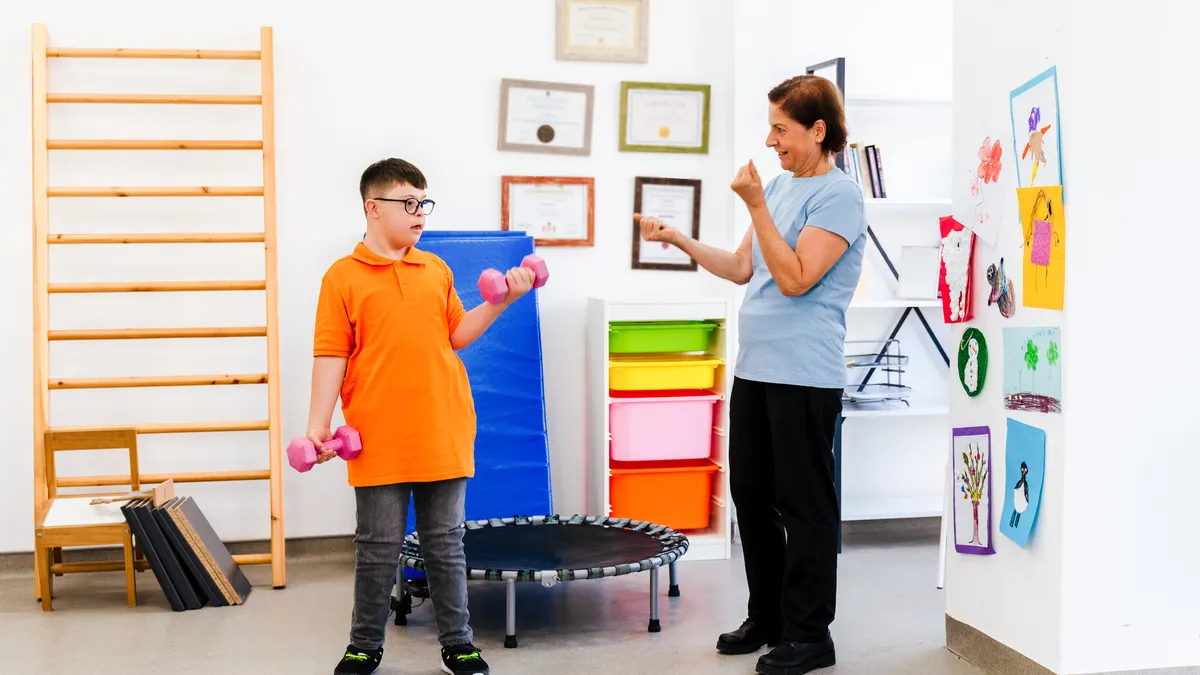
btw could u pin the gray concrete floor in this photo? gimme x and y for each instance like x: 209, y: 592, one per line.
x: 890, y: 621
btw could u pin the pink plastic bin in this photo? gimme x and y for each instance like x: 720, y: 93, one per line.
x: 661, y: 425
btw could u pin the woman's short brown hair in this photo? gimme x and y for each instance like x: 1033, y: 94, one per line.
x: 808, y: 98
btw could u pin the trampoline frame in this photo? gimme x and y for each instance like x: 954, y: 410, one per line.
x: 675, y: 546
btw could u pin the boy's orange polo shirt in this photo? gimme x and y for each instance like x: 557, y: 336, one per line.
x: 406, y: 390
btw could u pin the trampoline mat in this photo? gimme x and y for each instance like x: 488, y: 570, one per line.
x: 556, y: 547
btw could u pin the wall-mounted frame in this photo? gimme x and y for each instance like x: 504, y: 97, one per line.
x: 549, y: 117
x: 833, y: 70
x: 602, y: 30
x: 554, y: 210
x: 664, y: 117
x: 676, y: 201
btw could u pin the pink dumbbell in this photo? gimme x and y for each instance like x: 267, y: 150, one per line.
x: 302, y: 454
x: 494, y: 288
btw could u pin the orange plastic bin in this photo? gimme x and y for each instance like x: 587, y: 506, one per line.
x: 675, y: 493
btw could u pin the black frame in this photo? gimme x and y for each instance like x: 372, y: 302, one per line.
x: 840, y: 62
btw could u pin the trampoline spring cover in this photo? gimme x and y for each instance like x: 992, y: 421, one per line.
x: 526, y: 548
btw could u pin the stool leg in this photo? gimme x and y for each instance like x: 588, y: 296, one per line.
x: 673, y: 591
x: 510, y: 614
x: 43, y: 573
x: 654, y: 624
x: 130, y: 571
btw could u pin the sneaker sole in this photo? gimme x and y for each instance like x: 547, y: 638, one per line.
x: 821, y: 661
x: 445, y: 669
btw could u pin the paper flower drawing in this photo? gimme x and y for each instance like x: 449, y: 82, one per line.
x: 954, y: 280
x: 1002, y: 294
x: 1037, y: 131
x: 989, y: 161
x: 972, y: 448
x: 1032, y: 369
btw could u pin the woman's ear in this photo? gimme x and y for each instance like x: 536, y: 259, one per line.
x: 818, y: 130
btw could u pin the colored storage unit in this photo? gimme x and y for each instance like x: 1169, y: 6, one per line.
x: 662, y: 425
x: 660, y: 336
x: 677, y: 494
x: 662, y: 371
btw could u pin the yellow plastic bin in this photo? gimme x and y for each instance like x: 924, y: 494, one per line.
x: 662, y: 371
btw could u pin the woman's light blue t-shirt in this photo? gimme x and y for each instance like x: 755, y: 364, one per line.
x: 801, y: 340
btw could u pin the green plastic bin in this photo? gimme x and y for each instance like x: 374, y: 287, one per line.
x: 659, y: 336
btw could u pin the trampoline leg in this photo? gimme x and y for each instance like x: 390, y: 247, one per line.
x: 510, y: 614
x: 654, y: 624
x: 673, y: 592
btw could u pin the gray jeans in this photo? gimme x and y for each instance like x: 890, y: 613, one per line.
x: 382, y: 514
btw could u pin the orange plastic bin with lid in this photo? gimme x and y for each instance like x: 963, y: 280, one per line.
x: 675, y: 493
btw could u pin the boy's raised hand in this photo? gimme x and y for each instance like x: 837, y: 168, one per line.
x: 520, y: 281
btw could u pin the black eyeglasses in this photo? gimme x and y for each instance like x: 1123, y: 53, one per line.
x: 411, y: 204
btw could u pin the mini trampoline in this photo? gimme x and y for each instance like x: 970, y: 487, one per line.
x: 554, y: 550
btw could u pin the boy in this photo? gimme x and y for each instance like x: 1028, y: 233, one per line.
x: 387, y: 327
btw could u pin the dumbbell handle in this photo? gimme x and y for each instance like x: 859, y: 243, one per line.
x: 332, y: 445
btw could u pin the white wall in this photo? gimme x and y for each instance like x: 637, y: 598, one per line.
x: 388, y: 78
x: 1015, y: 595
x: 1130, y: 587
x: 1108, y: 583
x: 899, y: 50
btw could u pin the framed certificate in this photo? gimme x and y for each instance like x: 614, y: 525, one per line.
x: 554, y: 210
x: 676, y: 201
x: 546, y: 117
x: 657, y: 117
x: 602, y: 30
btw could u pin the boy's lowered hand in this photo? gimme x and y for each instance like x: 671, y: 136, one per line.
x: 318, y: 435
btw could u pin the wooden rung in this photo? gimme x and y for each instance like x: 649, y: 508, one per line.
x: 98, y: 144
x: 101, y: 53
x: 160, y: 238
x: 252, y: 559
x: 157, y: 191
x: 157, y: 381
x: 197, y: 477
x: 204, y: 99
x: 155, y: 333
x: 180, y: 427
x: 96, y: 566
x: 157, y: 286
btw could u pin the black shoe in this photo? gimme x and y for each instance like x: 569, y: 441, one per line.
x: 746, y: 639
x: 797, y: 658
x: 358, y: 661
x: 463, y: 660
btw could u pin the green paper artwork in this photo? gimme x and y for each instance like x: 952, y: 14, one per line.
x: 972, y: 361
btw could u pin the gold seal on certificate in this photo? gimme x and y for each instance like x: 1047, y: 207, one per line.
x: 602, y: 30
x: 555, y: 211
x: 547, y: 117
x: 664, y: 117
x: 675, y: 201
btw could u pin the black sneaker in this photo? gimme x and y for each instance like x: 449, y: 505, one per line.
x: 797, y: 658
x: 463, y: 660
x: 358, y: 661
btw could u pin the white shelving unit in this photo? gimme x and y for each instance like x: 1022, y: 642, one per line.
x: 715, y: 542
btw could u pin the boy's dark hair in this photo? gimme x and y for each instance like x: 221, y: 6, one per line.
x: 808, y: 98
x: 382, y: 175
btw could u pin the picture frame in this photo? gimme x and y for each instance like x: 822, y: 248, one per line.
x: 545, y: 117
x: 664, y: 117
x: 555, y: 210
x: 833, y: 70
x: 615, y: 31
x: 668, y: 199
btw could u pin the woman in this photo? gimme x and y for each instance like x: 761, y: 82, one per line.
x: 801, y: 260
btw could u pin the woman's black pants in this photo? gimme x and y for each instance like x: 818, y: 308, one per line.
x: 781, y: 479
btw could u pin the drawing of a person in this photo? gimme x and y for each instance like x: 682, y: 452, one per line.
x: 1036, y: 140
x: 1020, y: 497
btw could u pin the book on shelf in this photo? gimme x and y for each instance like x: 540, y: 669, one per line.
x: 864, y: 164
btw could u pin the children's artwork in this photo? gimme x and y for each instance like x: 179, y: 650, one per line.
x: 972, y: 450
x: 1002, y: 294
x: 972, y: 361
x: 1024, y: 472
x: 987, y: 195
x: 1044, y: 231
x: 1033, y: 369
x: 1037, y: 132
x: 954, y: 279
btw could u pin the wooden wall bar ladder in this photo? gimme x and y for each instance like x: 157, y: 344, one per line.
x: 43, y: 191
